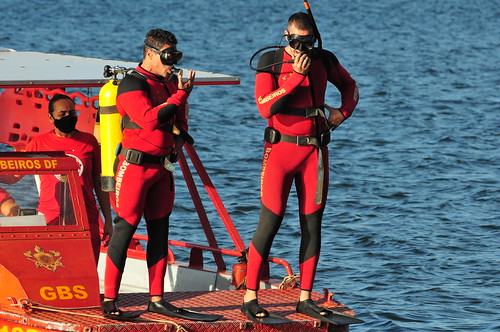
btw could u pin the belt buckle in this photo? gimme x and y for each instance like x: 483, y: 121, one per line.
x: 303, y: 140
x: 271, y: 135
x: 311, y: 112
x: 134, y: 156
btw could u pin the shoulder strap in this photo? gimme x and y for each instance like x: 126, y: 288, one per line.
x: 269, y: 61
x: 141, y: 77
x: 278, y: 58
x: 127, y: 123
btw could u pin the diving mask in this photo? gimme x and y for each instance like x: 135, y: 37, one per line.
x: 169, y: 56
x: 301, y: 43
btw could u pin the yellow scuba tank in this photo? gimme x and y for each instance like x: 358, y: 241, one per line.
x: 110, y: 127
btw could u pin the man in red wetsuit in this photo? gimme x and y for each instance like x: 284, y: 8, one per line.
x: 154, y: 107
x: 291, y: 95
x: 85, y: 149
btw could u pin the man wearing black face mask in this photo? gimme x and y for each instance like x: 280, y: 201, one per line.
x: 85, y: 149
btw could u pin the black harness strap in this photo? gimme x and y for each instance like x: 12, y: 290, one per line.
x: 306, y: 112
x: 278, y: 58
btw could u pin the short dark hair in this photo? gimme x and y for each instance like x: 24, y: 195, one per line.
x: 159, y: 37
x: 55, y: 98
x: 301, y: 20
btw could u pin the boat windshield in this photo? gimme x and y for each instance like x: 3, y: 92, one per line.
x: 35, y: 200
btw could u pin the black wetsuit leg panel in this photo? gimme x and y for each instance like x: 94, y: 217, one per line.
x: 157, y: 248
x: 269, y: 224
x: 117, y: 249
x: 310, y: 244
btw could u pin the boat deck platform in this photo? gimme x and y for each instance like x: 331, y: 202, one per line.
x: 226, y: 303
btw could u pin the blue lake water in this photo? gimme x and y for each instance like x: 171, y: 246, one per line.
x: 412, y: 230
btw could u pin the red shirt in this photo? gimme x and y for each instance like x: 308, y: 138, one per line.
x: 4, y: 195
x: 85, y: 149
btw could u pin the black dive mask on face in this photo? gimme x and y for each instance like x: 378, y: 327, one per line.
x: 66, y: 124
x: 169, y: 56
x: 301, y: 43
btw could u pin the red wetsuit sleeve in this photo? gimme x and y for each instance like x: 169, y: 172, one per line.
x: 347, y: 87
x: 271, y: 99
x: 138, y: 106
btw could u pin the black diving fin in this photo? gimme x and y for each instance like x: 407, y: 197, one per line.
x: 164, y: 308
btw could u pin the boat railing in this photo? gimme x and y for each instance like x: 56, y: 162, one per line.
x: 196, y: 253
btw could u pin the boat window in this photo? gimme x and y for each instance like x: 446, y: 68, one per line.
x: 35, y: 200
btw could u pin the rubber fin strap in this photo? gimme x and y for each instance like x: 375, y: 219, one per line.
x: 251, y: 308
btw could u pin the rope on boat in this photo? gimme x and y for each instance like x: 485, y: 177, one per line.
x: 27, y: 304
x: 290, y: 281
x: 47, y: 307
x: 178, y: 327
x: 242, y: 284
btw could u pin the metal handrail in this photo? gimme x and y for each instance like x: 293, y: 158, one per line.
x: 222, y: 251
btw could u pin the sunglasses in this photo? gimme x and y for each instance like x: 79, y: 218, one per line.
x: 169, y: 56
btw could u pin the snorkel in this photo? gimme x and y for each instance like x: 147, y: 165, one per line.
x: 302, y: 44
x: 315, y: 27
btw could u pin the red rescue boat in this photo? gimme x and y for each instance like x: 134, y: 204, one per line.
x: 48, y: 281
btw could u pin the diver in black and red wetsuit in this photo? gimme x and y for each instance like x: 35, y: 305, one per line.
x: 153, y: 104
x: 290, y: 92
